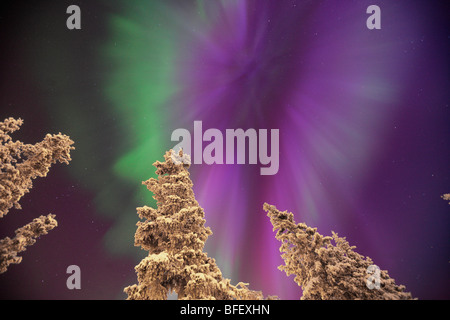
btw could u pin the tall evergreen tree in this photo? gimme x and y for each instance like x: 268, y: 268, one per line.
x: 327, y: 271
x: 174, y: 235
x: 20, y: 164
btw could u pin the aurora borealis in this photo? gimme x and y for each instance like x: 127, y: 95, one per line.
x: 363, y: 118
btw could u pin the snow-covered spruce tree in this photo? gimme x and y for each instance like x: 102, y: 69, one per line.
x: 20, y: 164
x: 327, y: 271
x: 174, y: 235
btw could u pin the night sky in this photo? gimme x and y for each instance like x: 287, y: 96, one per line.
x: 363, y: 117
